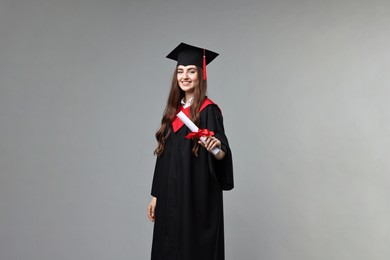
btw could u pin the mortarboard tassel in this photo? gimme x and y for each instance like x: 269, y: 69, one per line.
x: 204, y: 65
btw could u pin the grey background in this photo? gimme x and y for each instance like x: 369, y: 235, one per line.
x: 304, y: 88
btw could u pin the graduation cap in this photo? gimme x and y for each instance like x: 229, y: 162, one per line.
x: 186, y: 54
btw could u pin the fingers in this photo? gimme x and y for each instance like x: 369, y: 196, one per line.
x: 211, y: 143
x: 150, y: 212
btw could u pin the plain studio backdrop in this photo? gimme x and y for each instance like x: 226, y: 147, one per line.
x: 304, y: 90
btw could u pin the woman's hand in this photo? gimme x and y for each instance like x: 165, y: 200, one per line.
x: 211, y: 143
x: 151, y: 208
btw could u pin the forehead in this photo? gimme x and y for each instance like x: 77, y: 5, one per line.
x: 186, y: 67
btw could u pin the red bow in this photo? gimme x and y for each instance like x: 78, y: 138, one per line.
x: 200, y: 133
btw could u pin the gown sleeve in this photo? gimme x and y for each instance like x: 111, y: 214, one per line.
x: 222, y: 170
x: 156, y: 178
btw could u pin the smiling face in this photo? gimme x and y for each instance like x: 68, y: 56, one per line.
x: 187, y: 78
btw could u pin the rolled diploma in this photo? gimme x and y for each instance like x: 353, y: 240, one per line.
x: 194, y: 128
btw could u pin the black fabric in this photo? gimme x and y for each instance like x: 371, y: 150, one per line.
x: 189, y: 210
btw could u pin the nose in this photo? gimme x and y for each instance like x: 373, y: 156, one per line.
x: 184, y: 75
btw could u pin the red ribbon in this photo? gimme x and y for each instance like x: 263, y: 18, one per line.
x: 200, y: 133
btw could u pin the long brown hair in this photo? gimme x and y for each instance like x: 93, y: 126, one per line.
x: 172, y: 107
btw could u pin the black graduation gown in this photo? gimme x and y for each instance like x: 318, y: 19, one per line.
x: 189, y: 211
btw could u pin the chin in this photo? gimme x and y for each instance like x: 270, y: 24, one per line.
x: 187, y: 89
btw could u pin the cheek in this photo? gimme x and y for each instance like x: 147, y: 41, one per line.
x: 195, y: 83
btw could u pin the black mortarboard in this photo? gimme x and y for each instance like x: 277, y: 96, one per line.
x: 186, y: 54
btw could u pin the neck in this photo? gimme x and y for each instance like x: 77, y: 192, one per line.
x: 187, y: 97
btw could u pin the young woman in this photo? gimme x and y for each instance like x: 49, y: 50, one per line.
x: 187, y: 205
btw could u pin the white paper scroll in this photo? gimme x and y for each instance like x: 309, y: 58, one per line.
x: 194, y: 128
